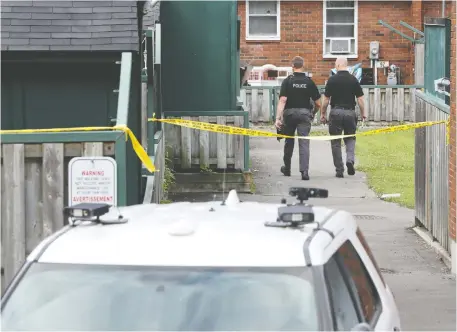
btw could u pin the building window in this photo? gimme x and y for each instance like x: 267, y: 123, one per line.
x: 340, y: 28
x: 262, y: 20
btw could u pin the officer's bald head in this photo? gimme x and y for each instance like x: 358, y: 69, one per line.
x: 298, y: 62
x: 341, y: 63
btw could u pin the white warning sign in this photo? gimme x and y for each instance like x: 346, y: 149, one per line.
x: 92, y: 180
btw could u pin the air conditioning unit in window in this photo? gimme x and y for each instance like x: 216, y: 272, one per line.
x: 340, y: 46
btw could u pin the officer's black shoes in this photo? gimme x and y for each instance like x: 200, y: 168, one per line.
x: 339, y: 175
x: 285, y: 171
x: 304, y: 176
x: 351, y: 169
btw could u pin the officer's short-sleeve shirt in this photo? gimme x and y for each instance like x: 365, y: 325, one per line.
x: 299, y: 90
x: 343, y: 89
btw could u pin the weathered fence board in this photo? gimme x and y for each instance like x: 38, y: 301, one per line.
x: 154, y: 192
x: 201, y: 149
x: 34, y: 191
x: 431, y: 169
x: 259, y: 103
x: 383, y: 104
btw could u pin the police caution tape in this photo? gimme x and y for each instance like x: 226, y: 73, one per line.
x: 223, y: 129
x: 140, y: 152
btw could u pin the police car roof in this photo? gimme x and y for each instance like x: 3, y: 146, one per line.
x: 189, y: 234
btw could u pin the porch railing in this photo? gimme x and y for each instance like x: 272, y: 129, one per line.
x: 385, y: 103
x: 195, y: 148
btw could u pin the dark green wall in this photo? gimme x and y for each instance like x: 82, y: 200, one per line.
x: 437, y: 53
x: 199, y: 49
x: 46, y: 95
x: 71, y: 94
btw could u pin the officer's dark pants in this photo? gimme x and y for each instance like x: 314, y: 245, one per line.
x: 297, y: 119
x: 342, y: 121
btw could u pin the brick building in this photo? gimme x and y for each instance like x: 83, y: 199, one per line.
x: 273, y: 32
x: 452, y: 145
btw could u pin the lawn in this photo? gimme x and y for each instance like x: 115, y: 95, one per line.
x: 388, y: 161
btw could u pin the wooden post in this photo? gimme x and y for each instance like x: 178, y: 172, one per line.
x: 419, y: 55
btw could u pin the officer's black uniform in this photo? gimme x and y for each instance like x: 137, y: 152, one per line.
x: 343, y: 89
x: 299, y: 90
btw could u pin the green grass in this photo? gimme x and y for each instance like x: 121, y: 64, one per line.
x: 388, y: 161
x: 318, y: 133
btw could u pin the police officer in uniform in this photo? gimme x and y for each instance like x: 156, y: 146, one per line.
x: 342, y: 90
x: 295, y: 113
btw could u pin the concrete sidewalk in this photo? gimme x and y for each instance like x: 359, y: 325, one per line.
x: 424, y: 289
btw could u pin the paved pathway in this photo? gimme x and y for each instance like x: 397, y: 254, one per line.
x: 424, y: 289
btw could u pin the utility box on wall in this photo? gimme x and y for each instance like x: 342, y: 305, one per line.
x: 374, y: 50
x: 200, y: 71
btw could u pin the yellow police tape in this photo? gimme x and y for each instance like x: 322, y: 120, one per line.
x: 128, y: 133
x: 223, y: 129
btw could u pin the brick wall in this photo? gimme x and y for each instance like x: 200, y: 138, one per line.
x: 433, y: 8
x: 417, y: 14
x: 452, y: 145
x: 302, y: 34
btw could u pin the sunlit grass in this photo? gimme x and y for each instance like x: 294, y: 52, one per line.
x: 388, y: 161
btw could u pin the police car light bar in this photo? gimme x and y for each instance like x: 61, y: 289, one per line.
x: 86, y: 210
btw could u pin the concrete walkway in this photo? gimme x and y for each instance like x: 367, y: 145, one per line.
x: 424, y: 289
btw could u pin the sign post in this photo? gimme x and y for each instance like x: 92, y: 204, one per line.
x: 92, y: 180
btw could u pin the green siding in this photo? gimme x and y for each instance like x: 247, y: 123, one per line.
x: 47, y: 95
x: 437, y: 53
x: 199, y: 55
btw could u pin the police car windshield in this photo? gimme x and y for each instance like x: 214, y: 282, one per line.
x: 108, y: 298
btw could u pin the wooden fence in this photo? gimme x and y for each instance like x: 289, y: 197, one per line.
x: 154, y: 192
x: 34, y: 189
x: 203, y: 150
x: 431, y: 171
x: 384, y: 103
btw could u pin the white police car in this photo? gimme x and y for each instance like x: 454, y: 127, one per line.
x: 231, y: 266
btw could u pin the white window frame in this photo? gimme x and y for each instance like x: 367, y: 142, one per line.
x: 356, y: 33
x: 278, y: 22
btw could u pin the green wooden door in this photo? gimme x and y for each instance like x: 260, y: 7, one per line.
x: 437, y: 53
x: 199, y: 55
x: 47, y: 95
